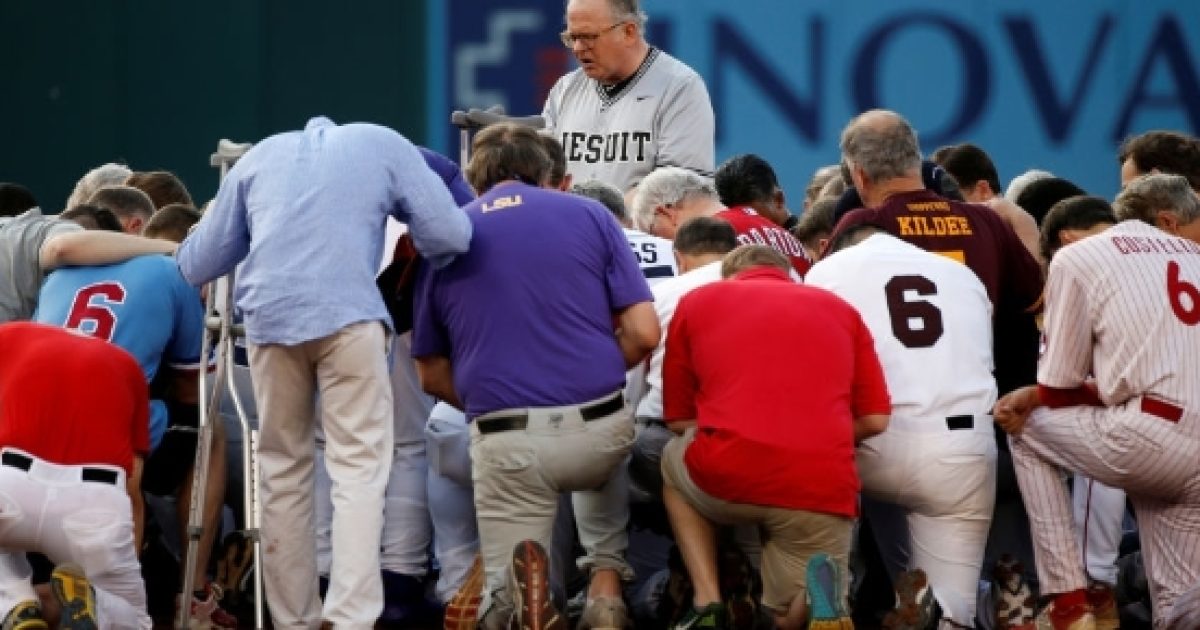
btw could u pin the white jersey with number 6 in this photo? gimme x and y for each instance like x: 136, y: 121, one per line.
x: 932, y: 322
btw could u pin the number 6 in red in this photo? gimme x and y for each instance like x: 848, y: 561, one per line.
x: 103, y: 319
x: 1177, y: 288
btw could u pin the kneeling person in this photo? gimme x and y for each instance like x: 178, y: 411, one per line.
x: 73, y: 433
x: 763, y: 449
x: 929, y: 482
x: 520, y: 335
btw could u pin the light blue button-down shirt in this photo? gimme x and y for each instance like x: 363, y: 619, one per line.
x: 306, y: 210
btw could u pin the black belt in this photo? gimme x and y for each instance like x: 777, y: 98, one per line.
x: 520, y: 420
x: 647, y: 421
x: 954, y: 423
x: 101, y: 475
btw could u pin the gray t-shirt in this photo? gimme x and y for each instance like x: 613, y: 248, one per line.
x: 21, y: 273
x: 662, y: 117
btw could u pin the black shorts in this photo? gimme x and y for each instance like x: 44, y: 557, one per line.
x: 170, y: 463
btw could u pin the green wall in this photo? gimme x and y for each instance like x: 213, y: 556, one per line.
x: 156, y: 84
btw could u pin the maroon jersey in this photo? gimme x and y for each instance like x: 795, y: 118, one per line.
x: 754, y: 229
x: 970, y: 234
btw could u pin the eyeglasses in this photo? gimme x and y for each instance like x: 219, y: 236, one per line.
x: 587, y: 39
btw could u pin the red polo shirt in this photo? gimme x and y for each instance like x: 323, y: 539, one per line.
x: 774, y: 373
x: 754, y: 229
x: 71, y: 399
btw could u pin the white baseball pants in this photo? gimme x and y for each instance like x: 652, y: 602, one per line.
x: 51, y: 510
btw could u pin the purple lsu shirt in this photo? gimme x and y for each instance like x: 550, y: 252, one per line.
x: 526, y: 315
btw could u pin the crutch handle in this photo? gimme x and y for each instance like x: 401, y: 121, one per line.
x: 228, y: 151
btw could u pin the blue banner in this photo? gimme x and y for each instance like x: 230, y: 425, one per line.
x: 1050, y: 85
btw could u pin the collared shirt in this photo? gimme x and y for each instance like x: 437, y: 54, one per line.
x: 306, y: 210
x: 21, y: 273
x: 526, y: 316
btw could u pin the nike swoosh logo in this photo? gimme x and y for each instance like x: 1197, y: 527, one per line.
x: 642, y: 98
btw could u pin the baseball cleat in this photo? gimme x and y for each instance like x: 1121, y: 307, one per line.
x: 531, y: 597
x: 1103, y: 601
x: 1016, y: 606
x: 1067, y: 611
x: 915, y: 605
x: 462, y: 611
x: 24, y: 616
x: 76, y: 597
x: 826, y: 602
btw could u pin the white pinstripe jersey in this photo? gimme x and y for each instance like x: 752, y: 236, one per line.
x: 1124, y: 305
x: 931, y: 320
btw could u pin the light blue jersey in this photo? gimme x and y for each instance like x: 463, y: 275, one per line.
x: 142, y: 305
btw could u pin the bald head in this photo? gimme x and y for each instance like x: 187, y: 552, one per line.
x: 882, y: 144
x: 881, y: 151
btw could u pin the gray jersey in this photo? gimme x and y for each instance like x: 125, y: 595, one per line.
x: 661, y: 118
x: 21, y: 273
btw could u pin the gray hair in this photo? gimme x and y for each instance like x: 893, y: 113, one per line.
x: 1145, y: 196
x: 628, y: 10
x: 605, y: 194
x: 667, y: 186
x: 111, y: 174
x: 883, y: 144
x: 1022, y: 181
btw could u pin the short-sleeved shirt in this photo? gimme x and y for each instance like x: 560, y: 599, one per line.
x: 980, y: 238
x: 661, y: 117
x: 931, y: 320
x: 143, y: 305
x: 21, y: 273
x: 754, y: 229
x: 70, y: 399
x: 526, y: 315
x: 1124, y: 306
x: 774, y: 373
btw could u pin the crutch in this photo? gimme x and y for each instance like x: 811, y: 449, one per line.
x: 474, y: 119
x: 220, y: 335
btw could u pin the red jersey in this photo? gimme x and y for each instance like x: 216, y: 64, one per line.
x: 71, y: 399
x: 754, y: 229
x: 773, y: 427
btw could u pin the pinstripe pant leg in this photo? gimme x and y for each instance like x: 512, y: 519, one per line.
x: 1170, y: 536
x: 1185, y: 613
x: 1044, y: 490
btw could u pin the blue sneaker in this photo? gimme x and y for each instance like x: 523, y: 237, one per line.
x: 826, y: 602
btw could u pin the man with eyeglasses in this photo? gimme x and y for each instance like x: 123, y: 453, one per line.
x: 629, y: 107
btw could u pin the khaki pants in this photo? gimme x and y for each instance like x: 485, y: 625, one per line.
x: 519, y: 474
x: 789, y: 537
x: 348, y: 370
